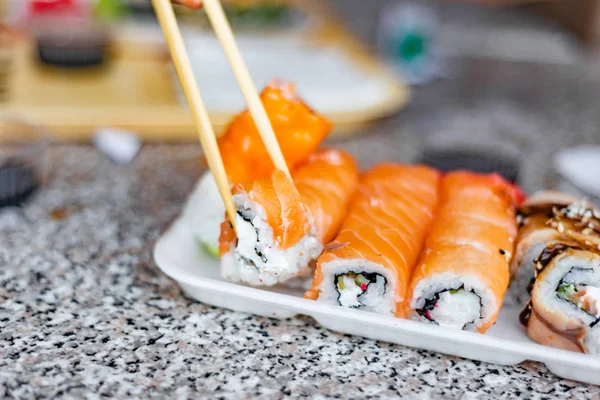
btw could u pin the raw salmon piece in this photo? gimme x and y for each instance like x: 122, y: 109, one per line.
x: 326, y: 182
x: 298, y: 129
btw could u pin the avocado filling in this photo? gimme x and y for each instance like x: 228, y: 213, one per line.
x: 454, y: 308
x: 208, y: 248
x: 360, y: 290
x: 584, y: 297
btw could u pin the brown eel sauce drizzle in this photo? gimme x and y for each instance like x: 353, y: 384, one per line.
x: 546, y: 209
x: 581, y: 222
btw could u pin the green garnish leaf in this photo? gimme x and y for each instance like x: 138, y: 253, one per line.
x: 208, y: 249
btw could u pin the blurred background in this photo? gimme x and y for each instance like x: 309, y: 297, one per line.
x: 488, y: 85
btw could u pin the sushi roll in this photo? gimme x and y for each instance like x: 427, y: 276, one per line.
x: 564, y: 310
x: 299, y: 131
x: 534, y: 235
x: 282, y: 225
x: 463, y: 272
x: 369, y: 263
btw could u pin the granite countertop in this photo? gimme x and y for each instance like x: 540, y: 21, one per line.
x: 85, y: 311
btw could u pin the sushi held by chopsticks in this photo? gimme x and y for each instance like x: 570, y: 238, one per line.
x: 564, y: 310
x: 299, y: 132
x: 369, y: 263
x: 283, y: 225
x: 463, y: 273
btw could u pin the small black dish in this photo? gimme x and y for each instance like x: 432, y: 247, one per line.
x: 22, y: 161
x: 74, y: 55
x: 71, y: 43
x: 139, y: 8
x: 17, y: 183
x: 477, y: 161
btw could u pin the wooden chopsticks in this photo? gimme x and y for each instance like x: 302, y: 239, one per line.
x: 216, y: 15
x: 222, y: 29
x: 208, y: 140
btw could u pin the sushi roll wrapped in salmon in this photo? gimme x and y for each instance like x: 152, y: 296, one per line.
x: 282, y: 224
x: 299, y: 132
x: 368, y: 265
x: 463, y: 273
x: 534, y: 235
x: 564, y: 310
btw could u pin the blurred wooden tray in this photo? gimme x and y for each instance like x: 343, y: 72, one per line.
x: 136, y: 90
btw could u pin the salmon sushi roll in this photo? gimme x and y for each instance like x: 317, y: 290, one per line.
x: 534, y: 235
x: 282, y: 225
x: 299, y: 131
x: 369, y: 263
x: 463, y: 273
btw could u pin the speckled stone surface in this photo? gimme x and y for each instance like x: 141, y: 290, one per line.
x: 84, y: 312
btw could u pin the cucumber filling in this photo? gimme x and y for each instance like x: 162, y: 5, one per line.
x: 452, y: 308
x: 360, y: 290
x: 580, y: 288
x: 584, y: 297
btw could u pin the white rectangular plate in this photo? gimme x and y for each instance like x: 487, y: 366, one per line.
x: 179, y: 256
